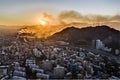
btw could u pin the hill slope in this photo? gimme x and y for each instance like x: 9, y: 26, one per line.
x: 85, y: 35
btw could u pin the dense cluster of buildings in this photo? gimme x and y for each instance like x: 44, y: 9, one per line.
x: 35, y: 60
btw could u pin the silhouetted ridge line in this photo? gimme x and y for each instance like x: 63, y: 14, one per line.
x: 87, y: 34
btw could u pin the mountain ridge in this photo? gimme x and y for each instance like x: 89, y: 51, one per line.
x: 87, y: 34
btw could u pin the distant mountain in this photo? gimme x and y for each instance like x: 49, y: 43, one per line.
x: 85, y: 35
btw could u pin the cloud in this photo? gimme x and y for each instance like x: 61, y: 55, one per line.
x: 74, y: 16
x: 115, y: 18
x: 70, y: 16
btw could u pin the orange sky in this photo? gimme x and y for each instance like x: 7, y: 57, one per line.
x: 27, y: 12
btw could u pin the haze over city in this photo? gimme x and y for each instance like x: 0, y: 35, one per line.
x: 59, y: 39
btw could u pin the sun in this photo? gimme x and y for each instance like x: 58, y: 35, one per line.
x: 43, y: 23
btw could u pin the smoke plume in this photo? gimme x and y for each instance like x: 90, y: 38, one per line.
x: 56, y: 23
x: 74, y: 16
